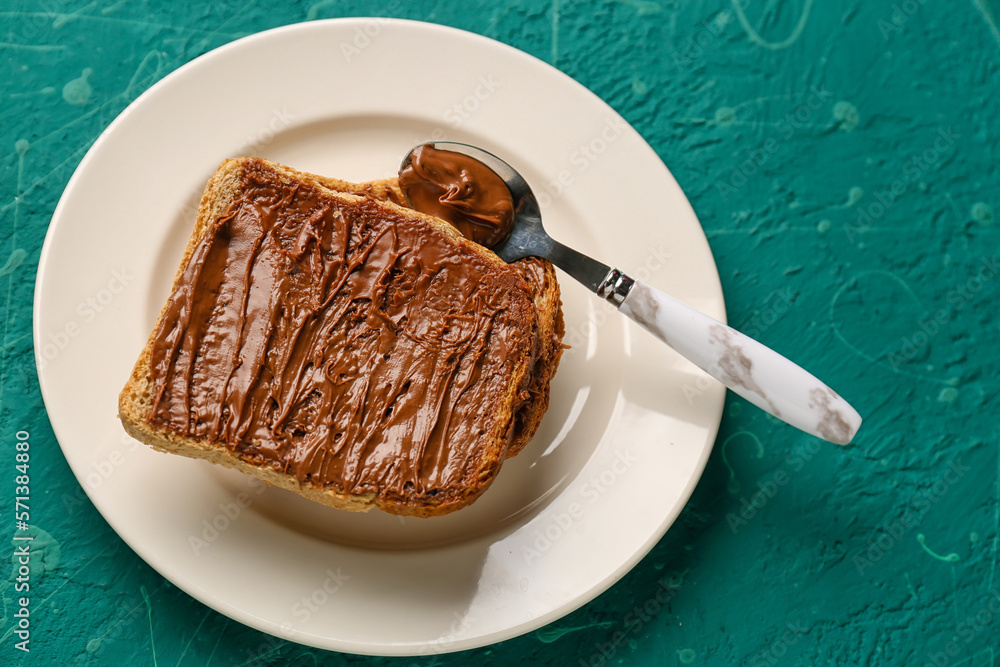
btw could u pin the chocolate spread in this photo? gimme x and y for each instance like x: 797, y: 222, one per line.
x: 339, y: 341
x: 460, y: 190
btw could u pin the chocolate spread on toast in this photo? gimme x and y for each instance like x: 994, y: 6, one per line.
x: 343, y: 343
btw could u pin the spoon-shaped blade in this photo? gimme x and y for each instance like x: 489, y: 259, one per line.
x: 528, y: 238
x: 752, y: 370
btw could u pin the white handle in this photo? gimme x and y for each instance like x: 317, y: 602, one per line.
x: 755, y: 372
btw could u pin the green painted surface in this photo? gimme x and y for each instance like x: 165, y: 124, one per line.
x: 843, y: 160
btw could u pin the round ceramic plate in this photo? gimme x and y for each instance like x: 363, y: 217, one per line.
x: 630, y: 424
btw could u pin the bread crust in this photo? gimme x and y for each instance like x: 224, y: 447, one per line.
x: 137, y: 397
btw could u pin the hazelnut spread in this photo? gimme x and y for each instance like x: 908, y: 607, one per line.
x: 461, y: 190
x: 341, y: 341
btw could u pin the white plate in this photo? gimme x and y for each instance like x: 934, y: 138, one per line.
x: 630, y: 424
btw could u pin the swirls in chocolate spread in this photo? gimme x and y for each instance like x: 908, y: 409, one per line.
x: 341, y: 341
x: 461, y: 190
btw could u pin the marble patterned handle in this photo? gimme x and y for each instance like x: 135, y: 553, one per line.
x: 755, y: 372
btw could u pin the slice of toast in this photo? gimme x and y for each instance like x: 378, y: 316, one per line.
x: 356, y: 352
x: 540, y: 275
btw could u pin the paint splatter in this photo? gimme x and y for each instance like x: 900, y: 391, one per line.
x: 639, y: 86
x: 991, y: 19
x: 108, y: 10
x: 686, y: 656
x: 149, y: 617
x: 854, y: 195
x: 774, y: 46
x: 950, y: 558
x: 996, y: 523
x: 15, y: 260
x: 146, y: 73
x: 733, y: 486
x: 982, y: 213
x: 547, y: 635
x: 725, y: 116
x: 315, y: 8
x: 642, y: 7
x: 846, y: 114
x: 823, y: 226
x: 555, y: 32
x: 63, y: 19
x: 47, y: 90
x: 860, y: 340
x: 44, y: 553
x: 78, y: 91
x: 948, y: 395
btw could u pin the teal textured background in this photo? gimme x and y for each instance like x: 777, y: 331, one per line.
x: 842, y: 158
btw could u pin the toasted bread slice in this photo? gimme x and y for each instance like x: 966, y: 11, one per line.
x: 356, y: 352
x: 540, y: 275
